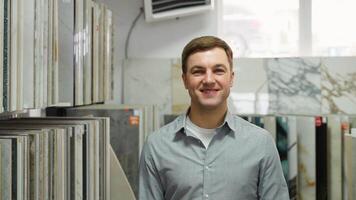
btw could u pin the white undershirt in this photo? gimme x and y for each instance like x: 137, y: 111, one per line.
x: 203, y: 134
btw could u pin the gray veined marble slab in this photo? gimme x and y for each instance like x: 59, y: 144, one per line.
x: 294, y: 85
x: 338, y: 85
x: 306, y: 158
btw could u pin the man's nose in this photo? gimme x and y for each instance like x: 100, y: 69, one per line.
x: 209, y: 77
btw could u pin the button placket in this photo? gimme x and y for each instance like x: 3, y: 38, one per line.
x: 205, y: 174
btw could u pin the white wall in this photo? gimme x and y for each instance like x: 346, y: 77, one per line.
x: 163, y: 39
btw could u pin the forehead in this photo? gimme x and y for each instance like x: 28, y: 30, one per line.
x: 208, y: 57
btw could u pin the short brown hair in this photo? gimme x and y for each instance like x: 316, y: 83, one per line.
x: 204, y: 43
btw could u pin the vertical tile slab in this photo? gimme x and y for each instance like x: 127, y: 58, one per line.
x: 350, y: 166
x: 294, y: 85
x: 270, y: 125
x: 66, y: 51
x: 321, y: 158
x: 258, y: 121
x: 334, y: 138
x: 28, y: 37
x: 352, y: 122
x: 338, y: 85
x: 180, y: 96
x: 282, y: 144
x: 306, y: 158
x: 6, y: 167
x: 292, y: 158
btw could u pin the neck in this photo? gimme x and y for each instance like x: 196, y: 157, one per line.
x: 207, y: 118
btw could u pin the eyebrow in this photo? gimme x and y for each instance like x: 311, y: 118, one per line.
x: 215, y: 66
x: 220, y: 66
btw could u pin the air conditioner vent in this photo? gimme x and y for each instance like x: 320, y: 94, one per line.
x: 164, y: 9
x: 167, y: 5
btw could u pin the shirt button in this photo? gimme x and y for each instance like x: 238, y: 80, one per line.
x: 207, y: 167
x: 206, y: 196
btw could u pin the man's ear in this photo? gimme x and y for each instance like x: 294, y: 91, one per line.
x: 232, y: 79
x: 184, y: 78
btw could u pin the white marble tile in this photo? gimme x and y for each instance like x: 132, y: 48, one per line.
x: 334, y: 157
x: 294, y: 85
x: 249, y: 94
x: 306, y: 158
x: 148, y: 81
x: 338, y: 85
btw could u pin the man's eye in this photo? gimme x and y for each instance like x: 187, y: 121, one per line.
x: 220, y: 71
x: 198, y: 72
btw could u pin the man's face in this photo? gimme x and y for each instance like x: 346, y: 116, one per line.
x: 208, y: 78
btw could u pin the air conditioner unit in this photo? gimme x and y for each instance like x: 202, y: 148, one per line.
x: 165, y: 9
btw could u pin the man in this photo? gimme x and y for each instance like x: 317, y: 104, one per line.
x: 209, y: 153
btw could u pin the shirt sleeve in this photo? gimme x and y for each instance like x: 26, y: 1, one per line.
x: 150, y: 187
x: 272, y: 184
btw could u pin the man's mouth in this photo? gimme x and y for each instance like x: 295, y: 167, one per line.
x: 209, y: 91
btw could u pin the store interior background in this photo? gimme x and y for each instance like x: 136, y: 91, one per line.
x: 310, y: 83
x: 308, y: 70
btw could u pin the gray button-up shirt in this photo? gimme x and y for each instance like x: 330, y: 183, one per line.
x: 241, y: 162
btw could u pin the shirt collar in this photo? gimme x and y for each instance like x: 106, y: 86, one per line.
x: 180, y: 123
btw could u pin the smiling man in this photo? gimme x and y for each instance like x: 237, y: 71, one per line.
x: 208, y: 153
